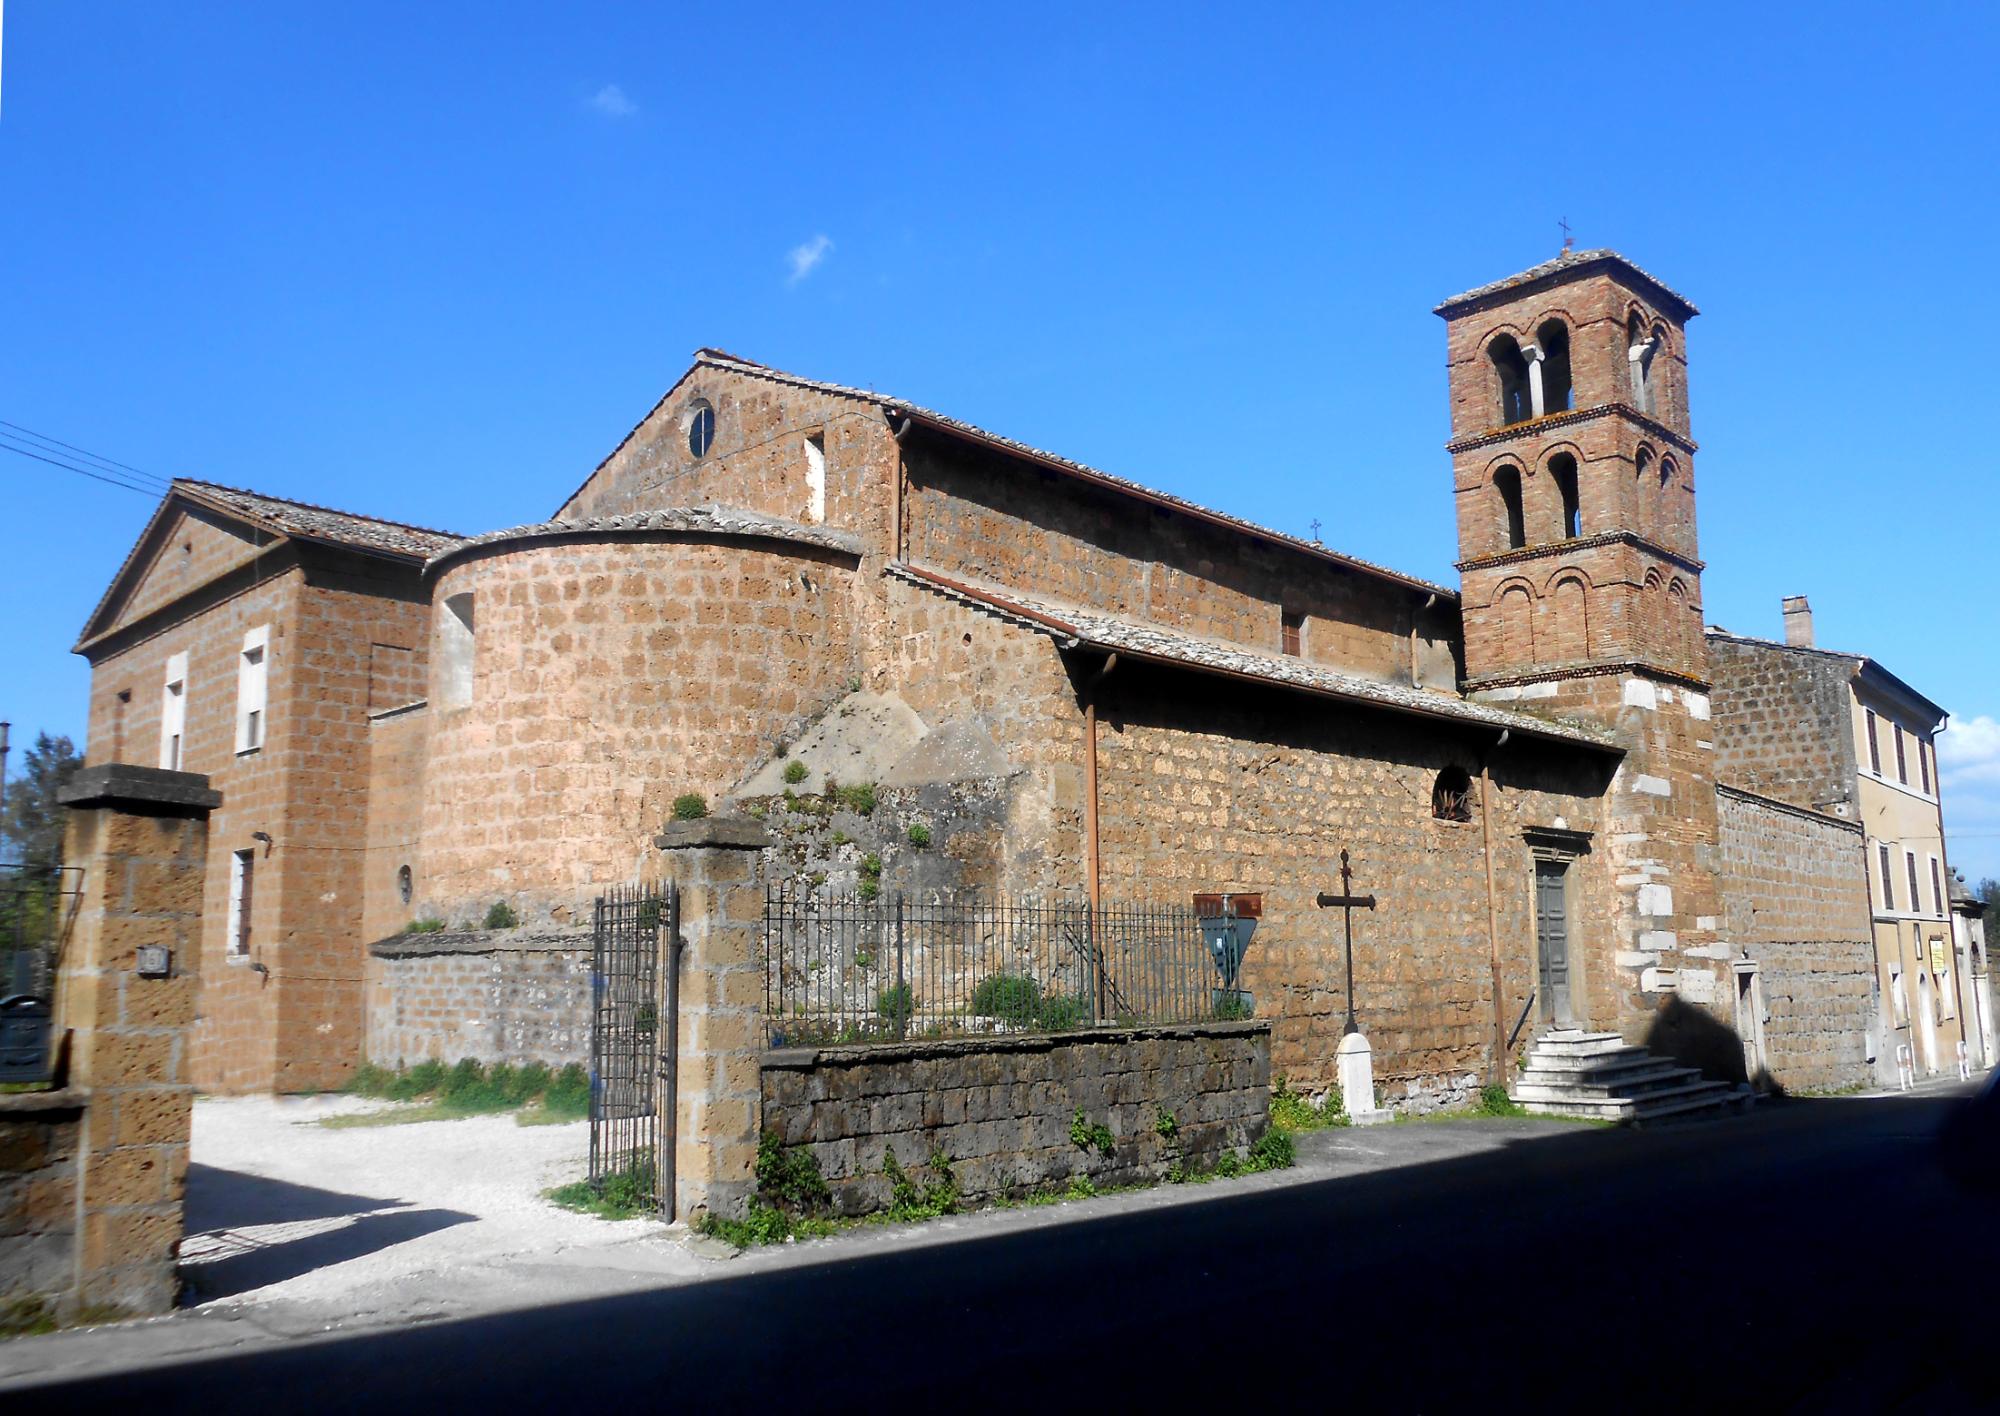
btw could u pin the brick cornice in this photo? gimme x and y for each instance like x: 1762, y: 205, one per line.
x: 1583, y: 671
x: 1535, y: 427
x: 1582, y: 543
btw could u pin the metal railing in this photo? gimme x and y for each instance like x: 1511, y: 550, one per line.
x: 632, y: 1046
x: 36, y: 905
x: 849, y: 969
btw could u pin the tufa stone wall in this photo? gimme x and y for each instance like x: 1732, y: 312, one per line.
x: 40, y: 1134
x: 1796, y: 901
x: 1783, y: 721
x: 1001, y: 1109
x: 514, y: 996
x: 610, y: 676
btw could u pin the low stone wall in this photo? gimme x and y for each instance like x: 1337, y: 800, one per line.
x: 40, y: 1133
x: 502, y: 995
x: 1001, y: 1109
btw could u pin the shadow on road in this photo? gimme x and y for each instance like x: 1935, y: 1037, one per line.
x: 248, y: 1231
x: 1751, y: 1262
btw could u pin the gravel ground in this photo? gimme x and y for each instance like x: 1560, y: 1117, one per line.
x: 288, y: 1217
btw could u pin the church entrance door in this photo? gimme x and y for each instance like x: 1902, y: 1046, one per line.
x: 1552, y: 940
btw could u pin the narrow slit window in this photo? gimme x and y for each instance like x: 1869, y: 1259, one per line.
x: 1874, y: 745
x: 1888, y: 881
x: 456, y: 650
x: 816, y: 478
x: 1924, y: 763
x: 1292, y: 632
x: 1562, y: 470
x: 242, y: 877
x: 1937, y: 888
x: 1916, y: 898
x: 1507, y: 481
x: 173, y: 714
x: 252, y: 679
x: 1902, y: 761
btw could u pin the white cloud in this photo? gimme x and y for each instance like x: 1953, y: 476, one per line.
x: 1969, y: 752
x: 612, y: 102
x: 806, y: 258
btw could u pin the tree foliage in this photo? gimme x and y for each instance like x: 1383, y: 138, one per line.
x: 31, y: 827
x: 1989, y: 896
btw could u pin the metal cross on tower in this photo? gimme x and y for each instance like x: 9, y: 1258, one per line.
x: 1568, y: 240
x: 1348, y: 902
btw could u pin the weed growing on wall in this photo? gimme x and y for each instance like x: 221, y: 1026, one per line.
x: 919, y: 834
x: 1086, y: 1134
x: 1292, y: 1111
x: 500, y: 915
x: 690, y: 806
x: 423, y: 926
x: 795, y: 772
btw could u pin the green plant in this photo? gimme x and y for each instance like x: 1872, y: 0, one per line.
x: 919, y: 834
x: 370, y: 1080
x: 871, y: 864
x: 869, y: 888
x: 789, y: 1176
x: 1081, y: 1187
x: 859, y: 800
x: 1060, y: 1012
x: 1274, y: 1150
x: 1013, y: 998
x: 1292, y: 1111
x: 1232, y: 1006
x: 423, y: 926
x: 1494, y: 1101
x: 690, y: 806
x: 1164, y: 1124
x: 1228, y: 1165
x: 795, y: 772
x: 910, y: 1201
x: 623, y: 1194
x: 500, y: 915
x: 854, y: 684
x: 896, y: 1004
x: 841, y: 838
x: 1085, y: 1134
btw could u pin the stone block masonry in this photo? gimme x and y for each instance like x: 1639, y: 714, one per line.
x: 39, y: 1136
x: 507, y: 995
x: 1001, y: 1109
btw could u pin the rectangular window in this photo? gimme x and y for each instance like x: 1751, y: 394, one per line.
x: 1916, y: 895
x: 1902, y: 762
x: 1874, y: 746
x: 1292, y: 631
x: 1888, y: 882
x: 242, y: 874
x: 1937, y: 888
x: 252, y: 673
x: 451, y: 668
x: 1924, y: 763
x: 816, y: 477
x: 173, y: 713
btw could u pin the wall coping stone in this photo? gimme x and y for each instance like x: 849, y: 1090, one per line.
x: 528, y: 940
x: 28, y: 1103
x: 154, y: 791
x: 735, y: 833
x: 806, y: 1058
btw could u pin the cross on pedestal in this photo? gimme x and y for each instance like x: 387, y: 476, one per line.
x: 1348, y: 902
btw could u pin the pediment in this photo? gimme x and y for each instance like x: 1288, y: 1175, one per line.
x: 185, y: 548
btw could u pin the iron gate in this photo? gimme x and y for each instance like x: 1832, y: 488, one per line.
x: 634, y: 1042
x: 35, y: 902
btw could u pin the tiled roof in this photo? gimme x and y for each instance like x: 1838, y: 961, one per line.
x: 320, y: 523
x: 707, y: 520
x: 1569, y: 260
x: 1152, y: 642
x: 731, y: 363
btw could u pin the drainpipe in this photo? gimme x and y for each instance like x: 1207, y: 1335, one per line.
x: 1429, y: 601
x: 1499, y: 1068
x: 896, y: 504
x: 1090, y: 854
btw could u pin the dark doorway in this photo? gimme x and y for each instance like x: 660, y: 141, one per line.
x: 1552, y: 940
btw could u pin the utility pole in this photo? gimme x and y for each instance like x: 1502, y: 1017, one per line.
x: 3, y: 767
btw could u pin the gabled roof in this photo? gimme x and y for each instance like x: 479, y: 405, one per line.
x: 1078, y: 625
x: 1570, y: 263
x: 1861, y: 666
x: 278, y: 517
x: 898, y: 408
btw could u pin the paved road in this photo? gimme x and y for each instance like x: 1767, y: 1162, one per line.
x: 1811, y: 1257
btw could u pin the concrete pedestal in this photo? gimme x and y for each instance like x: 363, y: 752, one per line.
x: 1357, y: 1081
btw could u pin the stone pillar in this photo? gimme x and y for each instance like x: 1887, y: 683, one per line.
x: 719, y: 1108
x: 1533, y: 354
x: 125, y: 997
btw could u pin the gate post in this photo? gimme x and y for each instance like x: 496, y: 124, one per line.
x: 126, y: 991
x: 719, y: 1103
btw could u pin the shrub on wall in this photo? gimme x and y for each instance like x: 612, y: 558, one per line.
x: 690, y: 806
x: 1013, y: 998
x: 500, y: 915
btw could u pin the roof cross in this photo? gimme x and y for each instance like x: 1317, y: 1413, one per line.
x: 1568, y: 240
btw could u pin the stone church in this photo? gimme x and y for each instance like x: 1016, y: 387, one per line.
x: 1090, y: 685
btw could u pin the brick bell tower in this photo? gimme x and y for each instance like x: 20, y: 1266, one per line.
x: 1573, y: 475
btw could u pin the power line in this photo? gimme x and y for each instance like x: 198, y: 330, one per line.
x: 81, y: 471
x: 96, y: 459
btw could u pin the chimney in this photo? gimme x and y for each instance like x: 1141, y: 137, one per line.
x: 1798, y: 622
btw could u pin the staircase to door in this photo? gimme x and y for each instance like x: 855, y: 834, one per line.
x: 1600, y: 1076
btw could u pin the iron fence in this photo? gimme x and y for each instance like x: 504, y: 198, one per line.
x: 632, y: 1044
x: 36, y: 902
x: 848, y: 969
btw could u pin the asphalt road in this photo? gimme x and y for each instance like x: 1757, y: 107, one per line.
x: 1811, y: 1257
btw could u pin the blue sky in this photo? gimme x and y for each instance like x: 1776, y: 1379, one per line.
x: 432, y: 261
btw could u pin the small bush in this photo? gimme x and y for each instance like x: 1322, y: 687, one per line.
x: 1232, y: 1006
x: 787, y: 1176
x: 919, y: 834
x: 530, y: 1082
x: 1085, y: 1134
x: 1494, y: 1101
x: 859, y: 800
x: 1060, y: 1012
x: 423, y: 926
x: 690, y: 806
x: 623, y: 1194
x: 1291, y: 1111
x: 869, y: 888
x: 1164, y: 1124
x: 568, y: 1093
x: 1013, y: 998
x: 1274, y: 1151
x: 896, y: 1004
x: 841, y: 838
x: 795, y: 772
x: 370, y: 1080
x: 500, y: 915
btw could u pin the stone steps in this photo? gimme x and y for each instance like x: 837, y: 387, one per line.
x: 1600, y: 1076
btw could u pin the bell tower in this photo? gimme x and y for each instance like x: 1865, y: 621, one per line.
x: 1574, y: 474
x: 1580, y: 577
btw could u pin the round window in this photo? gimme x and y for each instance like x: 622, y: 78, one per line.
x: 403, y: 890
x: 701, y: 428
